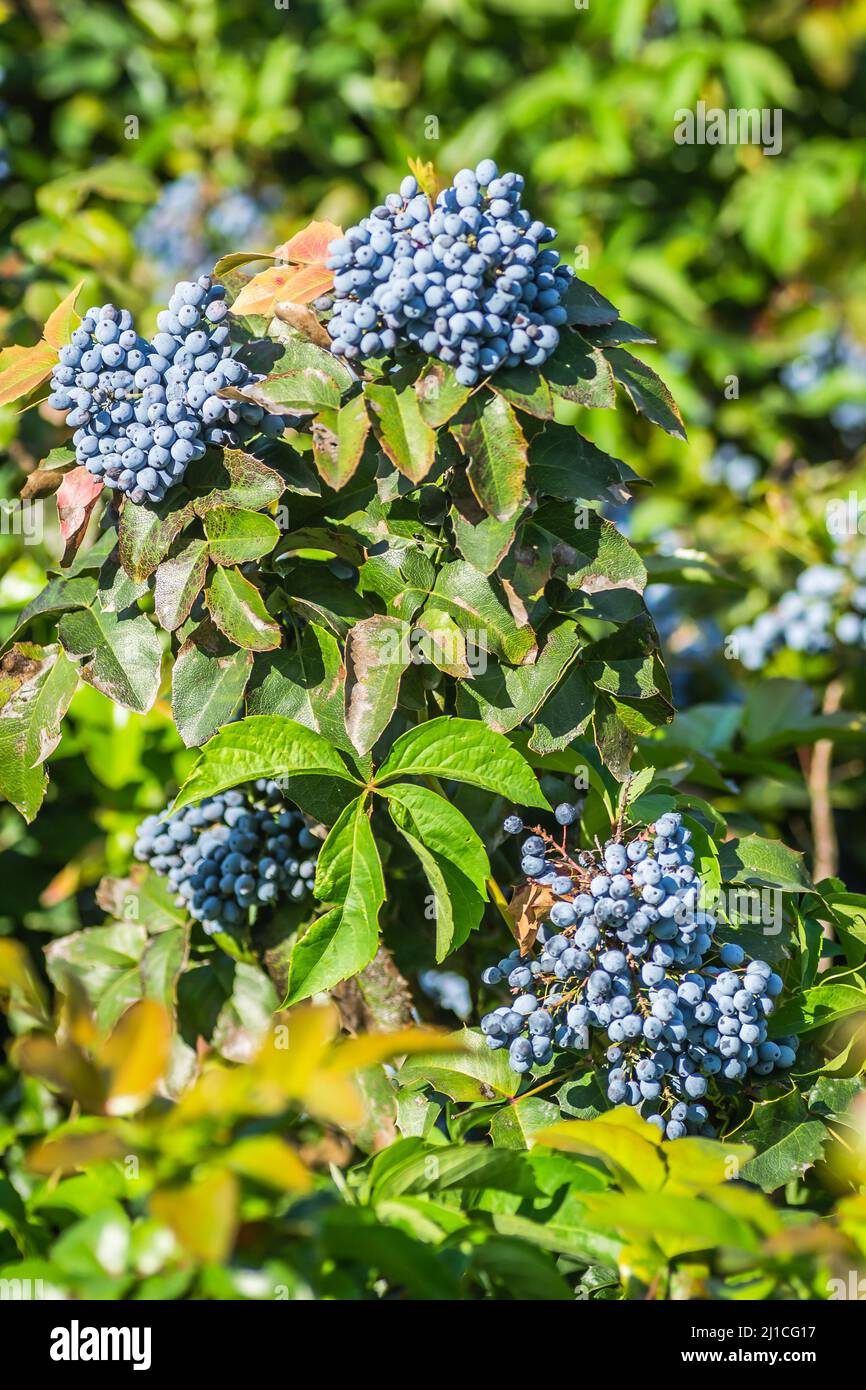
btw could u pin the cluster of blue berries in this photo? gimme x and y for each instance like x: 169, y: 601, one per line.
x: 626, y: 953
x: 241, y: 849
x: 822, y: 355
x: 142, y: 411
x: 827, y: 606
x: 190, y: 223
x: 466, y: 280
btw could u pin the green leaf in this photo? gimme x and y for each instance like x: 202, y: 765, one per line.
x: 463, y: 750
x: 440, y: 394
x: 815, y: 1008
x: 787, y: 1140
x: 60, y: 595
x: 404, y: 434
x: 379, y: 652
x: 580, y: 373
x: 526, y: 389
x: 338, y: 441
x: 496, y: 451
x: 441, y: 641
x: 232, y: 478
x: 457, y: 906
x: 564, y: 464
x: 304, y: 682
x: 520, y: 1270
x: 146, y: 534
x: 36, y: 686
x: 349, y: 872
x: 508, y: 695
x: 595, y: 556
x: 442, y: 828
x: 121, y: 655
x: 513, y: 1126
x: 298, y: 391
x: 647, y: 391
x: 754, y: 859
x: 564, y: 714
x: 624, y: 663
x: 480, y: 539
x: 262, y: 746
x: 237, y: 608
x: 164, y: 958
x: 471, y: 1073
x: 236, y: 536
x: 584, y: 305
x: 179, y: 581
x: 478, y: 604
x: 207, y: 683
x: 106, y: 961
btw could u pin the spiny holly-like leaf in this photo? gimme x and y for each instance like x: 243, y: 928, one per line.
x: 235, y: 259
x: 564, y: 714
x: 298, y: 284
x: 46, y: 479
x: 584, y: 305
x: 304, y: 682
x: 580, y: 373
x: 439, y: 393
x: 234, y: 479
x: 646, y: 391
x: 404, y: 434
x: 526, y: 389
x: 338, y: 441
x: 36, y: 686
x: 471, y: 1073
x: 60, y: 595
x: 564, y: 464
x: 146, y: 534
x: 755, y: 859
x: 121, y: 655
x: 304, y: 320
x: 379, y: 653
x: 788, y: 1141
x: 505, y: 696
x: 238, y: 610
x: 480, y: 607
x: 594, y: 555
x: 207, y: 683
x: 179, y: 581
x: 496, y: 452
x: 236, y: 535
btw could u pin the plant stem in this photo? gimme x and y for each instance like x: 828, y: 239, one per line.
x: 825, y: 844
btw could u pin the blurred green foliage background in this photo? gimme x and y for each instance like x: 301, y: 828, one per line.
x: 141, y: 139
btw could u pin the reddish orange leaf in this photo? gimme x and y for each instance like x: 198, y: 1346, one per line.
x: 306, y: 283
x: 22, y: 369
x: 310, y: 244
x: 260, y: 293
x: 76, y: 498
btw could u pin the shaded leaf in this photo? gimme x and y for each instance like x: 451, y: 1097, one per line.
x: 207, y: 683
x: 238, y: 610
